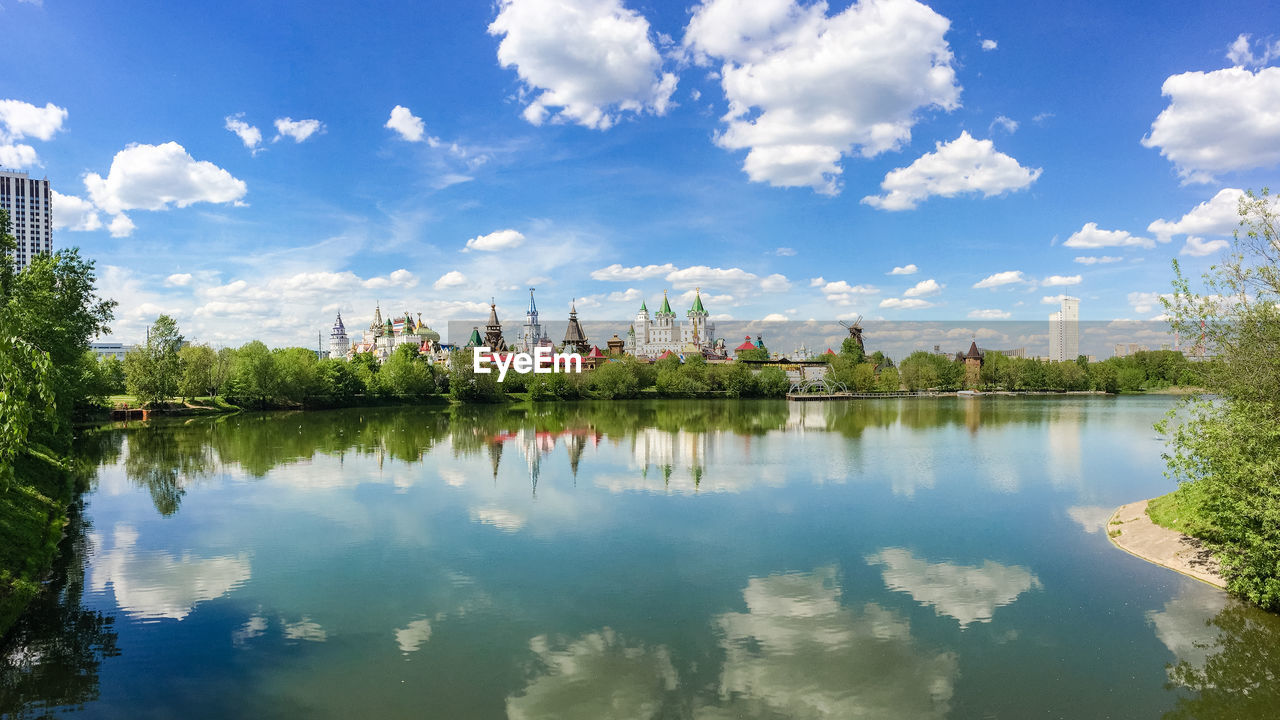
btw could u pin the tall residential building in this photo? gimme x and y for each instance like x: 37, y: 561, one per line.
x: 1064, y: 331
x: 30, y: 206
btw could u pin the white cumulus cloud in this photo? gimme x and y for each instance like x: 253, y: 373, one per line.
x: 618, y: 273
x: 248, y: 134
x: 581, y: 61
x: 404, y: 122
x: 1218, y: 215
x: 964, y: 165
x: 299, y: 130
x: 73, y: 213
x: 20, y: 120
x: 1219, y: 121
x: 453, y: 278
x: 991, y: 314
x: 1240, y: 51
x: 989, y: 44
x: 497, y: 240
x: 1097, y: 259
x: 1008, y: 277
x: 1199, y: 247
x: 909, y: 269
x: 1057, y: 280
x: 806, y: 89
x: 905, y: 303
x: 841, y: 292
x: 1090, y: 236
x: 178, y: 280
x: 154, y: 177
x: 924, y: 288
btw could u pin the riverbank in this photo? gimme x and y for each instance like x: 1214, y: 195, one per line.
x: 1131, y: 529
x: 33, y: 512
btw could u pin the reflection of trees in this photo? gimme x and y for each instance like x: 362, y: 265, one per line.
x: 1240, y: 678
x: 51, y: 656
x: 165, y: 457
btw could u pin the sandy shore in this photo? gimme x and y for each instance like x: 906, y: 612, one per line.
x: 1132, y: 531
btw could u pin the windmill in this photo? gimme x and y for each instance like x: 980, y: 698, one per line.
x: 855, y: 330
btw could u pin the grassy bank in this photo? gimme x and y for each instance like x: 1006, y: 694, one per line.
x: 1183, y: 510
x: 33, y: 511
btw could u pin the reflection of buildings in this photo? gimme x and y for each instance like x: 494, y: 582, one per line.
x: 534, y: 445
x: 1064, y: 331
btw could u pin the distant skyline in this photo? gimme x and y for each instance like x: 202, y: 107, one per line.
x: 252, y: 169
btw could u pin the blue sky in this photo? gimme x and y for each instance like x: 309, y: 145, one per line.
x: 785, y: 157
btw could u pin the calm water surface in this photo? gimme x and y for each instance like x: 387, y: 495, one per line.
x: 882, y: 559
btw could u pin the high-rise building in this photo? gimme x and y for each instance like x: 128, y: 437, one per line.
x: 30, y: 206
x: 1064, y: 331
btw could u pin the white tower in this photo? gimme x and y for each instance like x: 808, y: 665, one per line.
x: 641, y: 327
x: 338, y: 341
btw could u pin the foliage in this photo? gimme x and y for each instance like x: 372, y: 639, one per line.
x: 1225, y: 446
x: 254, y: 379
x: 773, y: 382
x: 153, y: 371
x: 468, y: 386
x: 852, y: 350
x: 197, y: 362
x: 614, y: 381
x: 406, y: 375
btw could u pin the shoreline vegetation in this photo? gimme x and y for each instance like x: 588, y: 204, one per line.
x: 1224, y: 447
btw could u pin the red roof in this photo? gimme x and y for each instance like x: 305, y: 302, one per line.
x: 595, y: 352
x: 746, y: 345
x: 666, y: 354
x: 829, y: 352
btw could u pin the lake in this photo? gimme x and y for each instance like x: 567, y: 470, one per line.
x: 897, y: 558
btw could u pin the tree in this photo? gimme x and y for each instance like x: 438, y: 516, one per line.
x: 254, y: 379
x: 53, y: 308
x: 852, y: 350
x: 406, y: 375
x: 888, y: 380
x: 197, y: 363
x: 154, y: 371
x: 773, y: 382
x: 468, y: 386
x: 614, y: 380
x: 1224, y: 451
x: 297, y: 375
x: 920, y: 371
x: 111, y: 370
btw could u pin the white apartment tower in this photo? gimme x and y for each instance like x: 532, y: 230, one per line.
x: 30, y: 206
x: 1064, y: 331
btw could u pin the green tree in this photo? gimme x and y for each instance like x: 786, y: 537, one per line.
x: 406, y: 375
x: 920, y: 371
x: 298, y: 376
x: 254, y: 379
x: 468, y: 386
x: 154, y: 370
x: 111, y: 370
x: 1224, y: 449
x: 888, y: 380
x: 852, y: 350
x: 197, y: 363
x: 614, y: 380
x: 772, y: 382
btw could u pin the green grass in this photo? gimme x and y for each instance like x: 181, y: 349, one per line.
x: 33, y: 510
x: 1181, y: 510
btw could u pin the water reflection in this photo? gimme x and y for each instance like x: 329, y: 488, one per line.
x: 1234, y: 672
x: 51, y: 657
x: 968, y: 593
x: 672, y: 443
x: 158, y: 584
x: 598, y: 676
x: 799, y: 652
